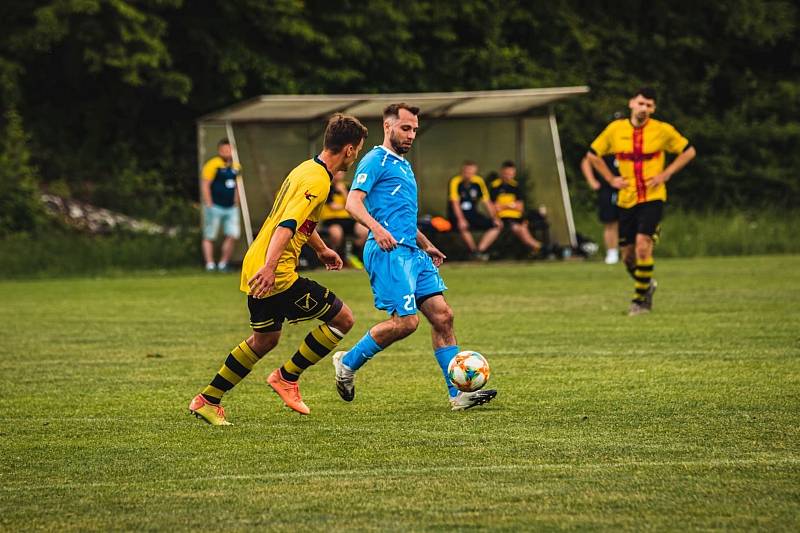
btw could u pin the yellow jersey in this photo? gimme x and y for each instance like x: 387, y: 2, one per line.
x: 640, y: 154
x: 297, y: 206
x: 506, y: 193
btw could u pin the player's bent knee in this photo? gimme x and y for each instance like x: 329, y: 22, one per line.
x: 344, y: 320
x: 405, y: 325
x: 262, y: 343
x: 644, y: 248
x: 443, y: 319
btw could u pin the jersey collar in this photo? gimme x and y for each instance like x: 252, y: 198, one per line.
x: 321, y: 162
x: 400, y: 157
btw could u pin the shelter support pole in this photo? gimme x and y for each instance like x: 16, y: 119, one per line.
x: 522, y: 159
x: 201, y: 157
x: 562, y: 176
x: 248, y: 227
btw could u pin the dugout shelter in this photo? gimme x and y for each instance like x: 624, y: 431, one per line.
x: 272, y: 134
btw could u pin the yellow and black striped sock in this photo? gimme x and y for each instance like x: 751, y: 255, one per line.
x: 642, y: 277
x: 236, y: 367
x: 317, y: 344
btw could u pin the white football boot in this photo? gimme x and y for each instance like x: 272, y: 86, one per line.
x: 345, y: 378
x: 467, y: 400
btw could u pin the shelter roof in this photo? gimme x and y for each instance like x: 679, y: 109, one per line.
x: 303, y: 108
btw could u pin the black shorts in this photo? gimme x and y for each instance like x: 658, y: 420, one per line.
x: 607, y: 210
x: 475, y: 219
x: 642, y: 218
x: 509, y: 222
x: 304, y: 300
x: 348, y: 224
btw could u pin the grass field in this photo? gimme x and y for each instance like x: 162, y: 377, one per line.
x: 684, y: 419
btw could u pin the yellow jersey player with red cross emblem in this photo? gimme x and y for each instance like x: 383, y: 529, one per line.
x: 640, y: 144
x: 275, y: 293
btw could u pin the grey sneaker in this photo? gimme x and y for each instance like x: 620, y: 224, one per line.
x: 638, y: 308
x: 648, y: 296
x: 467, y: 400
x: 345, y: 378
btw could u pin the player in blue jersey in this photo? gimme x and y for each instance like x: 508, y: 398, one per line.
x: 401, y: 262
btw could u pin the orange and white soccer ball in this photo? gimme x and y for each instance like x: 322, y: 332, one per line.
x: 468, y: 370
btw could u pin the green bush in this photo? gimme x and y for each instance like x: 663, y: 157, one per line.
x: 20, y: 209
x: 64, y: 253
x: 729, y: 232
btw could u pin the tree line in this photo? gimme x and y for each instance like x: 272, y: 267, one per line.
x: 100, y: 97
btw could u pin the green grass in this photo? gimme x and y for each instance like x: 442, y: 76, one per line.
x: 684, y: 419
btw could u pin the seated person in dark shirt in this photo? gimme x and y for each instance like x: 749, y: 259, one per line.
x: 466, y: 192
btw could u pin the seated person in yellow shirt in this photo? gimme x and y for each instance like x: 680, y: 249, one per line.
x: 337, y: 221
x: 466, y: 192
x: 507, y: 198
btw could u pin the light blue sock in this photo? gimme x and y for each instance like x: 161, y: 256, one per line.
x: 361, y: 352
x: 443, y: 357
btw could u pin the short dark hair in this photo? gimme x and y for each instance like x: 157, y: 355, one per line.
x: 647, y: 92
x: 508, y: 164
x: 393, y: 110
x: 469, y: 163
x: 223, y: 142
x: 341, y: 131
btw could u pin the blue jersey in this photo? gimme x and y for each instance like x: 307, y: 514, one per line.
x: 391, y: 191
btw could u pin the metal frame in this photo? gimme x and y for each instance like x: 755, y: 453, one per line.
x: 248, y: 225
x: 562, y: 176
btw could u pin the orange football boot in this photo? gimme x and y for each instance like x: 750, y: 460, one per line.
x: 289, y: 391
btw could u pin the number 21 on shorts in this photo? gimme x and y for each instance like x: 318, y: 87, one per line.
x: 411, y: 303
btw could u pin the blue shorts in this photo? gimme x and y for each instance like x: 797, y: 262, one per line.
x: 401, y: 277
x: 216, y: 216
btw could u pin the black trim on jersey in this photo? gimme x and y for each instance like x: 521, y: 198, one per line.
x: 592, y: 150
x: 291, y: 224
x: 687, y: 147
x: 318, y: 160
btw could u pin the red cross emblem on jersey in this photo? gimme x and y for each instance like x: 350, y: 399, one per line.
x: 638, y: 156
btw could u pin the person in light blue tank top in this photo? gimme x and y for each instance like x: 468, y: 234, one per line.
x: 401, y: 262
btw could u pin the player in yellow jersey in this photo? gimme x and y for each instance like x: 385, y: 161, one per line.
x: 274, y: 290
x: 639, y: 144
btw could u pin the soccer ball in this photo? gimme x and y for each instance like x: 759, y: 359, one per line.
x: 468, y: 371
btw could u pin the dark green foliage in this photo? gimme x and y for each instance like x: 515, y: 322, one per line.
x: 109, y: 91
x: 20, y: 209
